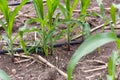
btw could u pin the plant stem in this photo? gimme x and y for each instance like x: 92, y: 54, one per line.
x: 12, y: 50
x: 68, y: 37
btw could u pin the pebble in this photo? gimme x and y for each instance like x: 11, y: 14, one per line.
x: 14, y: 71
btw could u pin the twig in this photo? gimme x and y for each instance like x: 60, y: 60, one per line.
x: 97, y: 61
x: 31, y: 63
x: 96, y: 69
x: 89, y: 77
x: 92, y: 30
x: 18, y: 3
x: 93, y: 9
x: 50, y: 65
x: 22, y: 61
x: 23, y: 56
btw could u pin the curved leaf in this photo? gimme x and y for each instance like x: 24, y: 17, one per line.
x: 88, y: 46
x: 4, y: 76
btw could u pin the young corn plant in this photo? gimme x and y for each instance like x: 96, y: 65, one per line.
x: 85, y: 25
x: 94, y: 42
x: 9, y: 17
x: 47, y: 25
x: 112, y: 65
x: 102, y: 14
x: 67, y: 12
x: 89, y: 45
x: 51, y: 7
x: 22, y: 31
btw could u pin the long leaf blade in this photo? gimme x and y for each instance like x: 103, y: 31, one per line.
x: 4, y: 76
x: 88, y: 46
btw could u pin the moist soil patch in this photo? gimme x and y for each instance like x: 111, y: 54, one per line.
x: 90, y: 67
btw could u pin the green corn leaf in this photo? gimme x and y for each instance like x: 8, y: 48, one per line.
x: 113, y: 13
x: 109, y: 77
x: 118, y: 7
x: 54, y: 4
x: 99, y: 2
x: 102, y: 12
x: 112, y: 64
x: 84, y: 5
x: 7, y: 40
x: 87, y: 30
x: 63, y: 10
x: 74, y: 5
x: 4, y: 76
x: 56, y: 21
x: 5, y: 9
x: 51, y: 6
x: 88, y: 46
x: 67, y: 2
x: 47, y: 39
x: 13, y: 15
x: 38, y: 4
x: 21, y: 33
x: 3, y: 25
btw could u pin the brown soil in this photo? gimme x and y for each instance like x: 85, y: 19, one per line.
x: 38, y: 71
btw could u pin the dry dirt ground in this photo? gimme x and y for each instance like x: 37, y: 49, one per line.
x: 90, y: 67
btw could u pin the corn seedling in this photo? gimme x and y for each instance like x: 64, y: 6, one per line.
x: 112, y: 65
x: 102, y: 14
x: 85, y: 25
x: 9, y: 17
x: 22, y: 31
x: 47, y: 25
x: 67, y: 12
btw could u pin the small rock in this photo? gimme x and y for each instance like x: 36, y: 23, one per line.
x: 14, y: 71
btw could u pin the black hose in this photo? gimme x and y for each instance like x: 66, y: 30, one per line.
x: 19, y: 50
x: 16, y: 50
x: 18, y: 3
x: 55, y: 45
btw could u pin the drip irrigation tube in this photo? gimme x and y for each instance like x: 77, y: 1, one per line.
x: 18, y: 3
x: 19, y: 50
x: 55, y: 45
